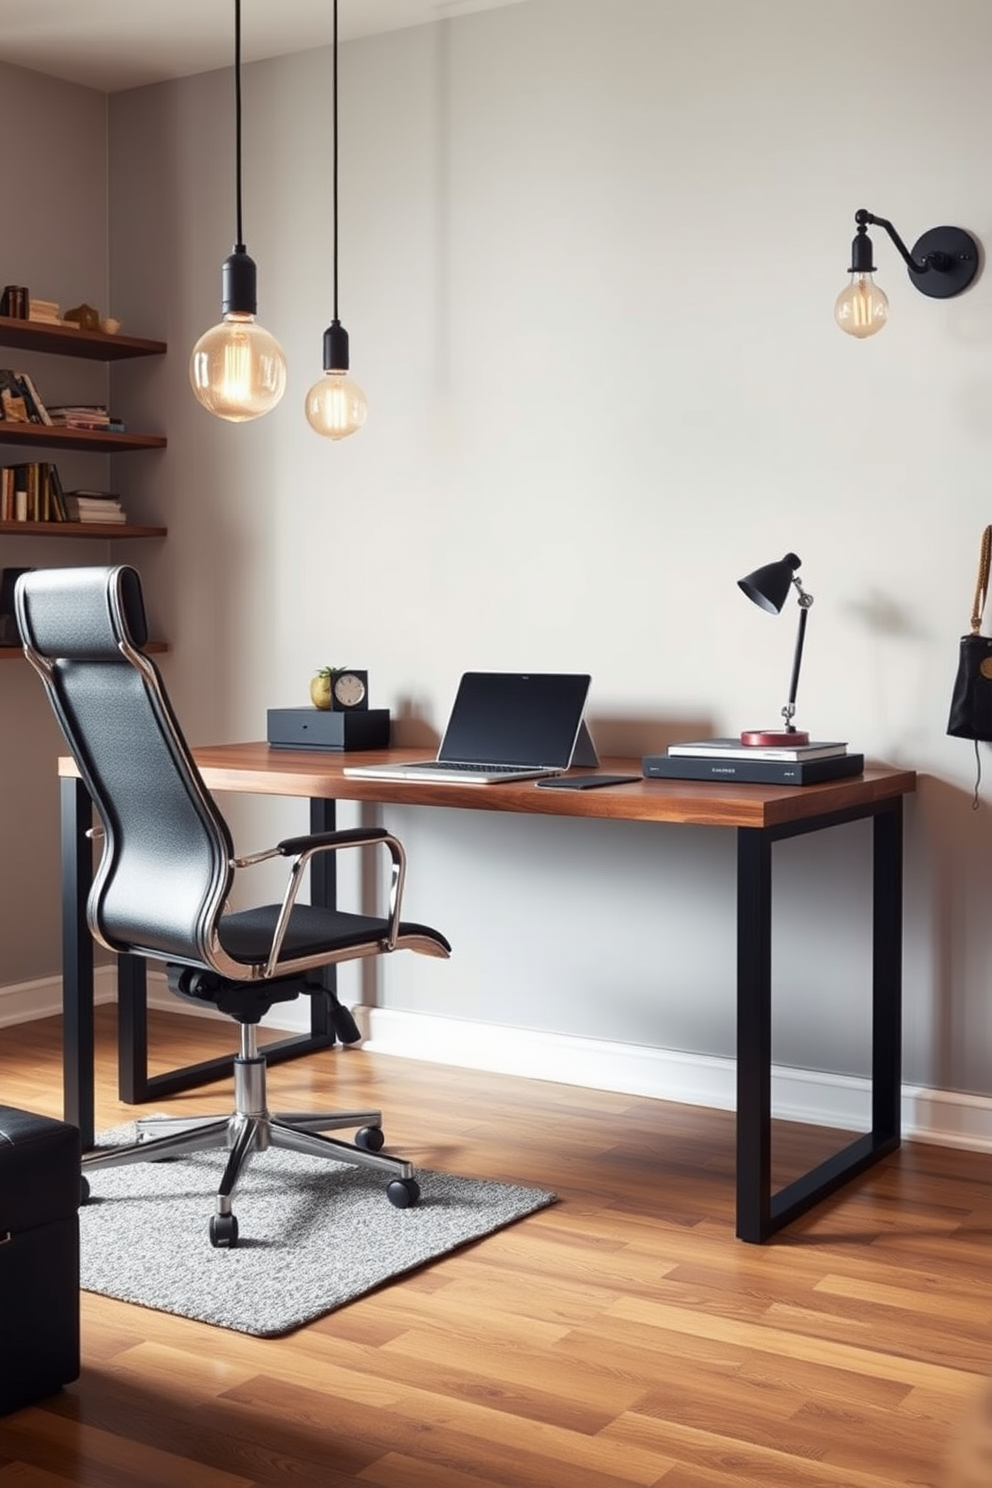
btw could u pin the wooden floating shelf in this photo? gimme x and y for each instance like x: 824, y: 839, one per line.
x: 65, y: 340
x: 55, y: 437
x: 107, y: 530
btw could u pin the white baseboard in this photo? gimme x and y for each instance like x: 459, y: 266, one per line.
x: 945, y: 1117
x: 25, y: 1001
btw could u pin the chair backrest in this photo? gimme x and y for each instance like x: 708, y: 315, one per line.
x: 165, y: 870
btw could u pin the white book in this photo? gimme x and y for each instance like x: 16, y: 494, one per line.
x: 734, y: 749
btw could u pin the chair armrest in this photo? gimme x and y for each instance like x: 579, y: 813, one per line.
x: 350, y: 837
x: 313, y: 842
x: 302, y: 849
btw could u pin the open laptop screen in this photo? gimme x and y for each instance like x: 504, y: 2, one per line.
x: 529, y: 718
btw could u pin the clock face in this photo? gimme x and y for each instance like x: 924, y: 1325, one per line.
x: 349, y: 689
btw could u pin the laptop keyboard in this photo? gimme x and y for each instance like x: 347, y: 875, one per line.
x: 472, y: 768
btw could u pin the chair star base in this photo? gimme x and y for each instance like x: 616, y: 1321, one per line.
x: 252, y: 1129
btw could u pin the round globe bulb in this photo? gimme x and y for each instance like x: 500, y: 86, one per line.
x: 336, y: 406
x: 238, y: 369
x: 862, y: 308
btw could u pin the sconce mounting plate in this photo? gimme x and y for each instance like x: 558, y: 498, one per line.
x: 960, y: 252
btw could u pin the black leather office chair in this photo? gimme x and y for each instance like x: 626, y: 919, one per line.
x: 167, y: 868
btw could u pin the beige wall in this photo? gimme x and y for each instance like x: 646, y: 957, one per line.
x: 588, y: 273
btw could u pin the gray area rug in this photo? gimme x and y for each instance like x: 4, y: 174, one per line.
x: 313, y: 1235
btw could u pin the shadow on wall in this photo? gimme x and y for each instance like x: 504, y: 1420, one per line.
x: 957, y: 844
x: 613, y: 734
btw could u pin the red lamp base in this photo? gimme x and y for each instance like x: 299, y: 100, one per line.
x: 772, y: 739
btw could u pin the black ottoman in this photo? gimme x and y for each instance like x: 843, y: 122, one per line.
x: 39, y: 1257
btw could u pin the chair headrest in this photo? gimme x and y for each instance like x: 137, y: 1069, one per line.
x: 80, y: 614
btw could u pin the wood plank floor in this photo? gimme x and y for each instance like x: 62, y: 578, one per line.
x: 621, y: 1337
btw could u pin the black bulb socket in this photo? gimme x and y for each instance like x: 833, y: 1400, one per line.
x: 862, y: 254
x: 336, y: 348
x: 238, y: 284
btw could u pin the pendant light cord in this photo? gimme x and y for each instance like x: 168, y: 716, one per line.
x: 239, y: 246
x: 334, y: 113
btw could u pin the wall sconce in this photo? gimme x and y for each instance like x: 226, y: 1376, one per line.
x: 769, y: 588
x: 942, y: 264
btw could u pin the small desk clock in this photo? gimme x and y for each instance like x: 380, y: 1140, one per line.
x: 349, y: 690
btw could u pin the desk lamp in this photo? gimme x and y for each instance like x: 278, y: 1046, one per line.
x: 769, y: 588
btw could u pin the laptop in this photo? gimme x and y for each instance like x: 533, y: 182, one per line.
x: 503, y: 726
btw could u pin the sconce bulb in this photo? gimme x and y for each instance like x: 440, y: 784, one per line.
x: 862, y: 308
x: 336, y: 406
x: 238, y: 369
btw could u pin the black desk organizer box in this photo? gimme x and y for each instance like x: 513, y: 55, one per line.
x: 39, y: 1257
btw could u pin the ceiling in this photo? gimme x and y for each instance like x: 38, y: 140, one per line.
x: 115, y: 44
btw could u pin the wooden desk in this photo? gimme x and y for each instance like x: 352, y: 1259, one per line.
x: 760, y: 816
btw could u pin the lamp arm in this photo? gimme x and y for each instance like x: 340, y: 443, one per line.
x: 805, y: 600
x: 931, y: 261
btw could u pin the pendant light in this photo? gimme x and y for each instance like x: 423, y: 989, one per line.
x: 335, y: 405
x: 237, y: 368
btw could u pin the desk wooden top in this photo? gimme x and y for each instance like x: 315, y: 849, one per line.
x: 258, y: 769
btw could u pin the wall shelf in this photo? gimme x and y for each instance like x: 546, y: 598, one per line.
x: 66, y: 340
x: 105, y: 530
x: 93, y: 440
x: 69, y: 341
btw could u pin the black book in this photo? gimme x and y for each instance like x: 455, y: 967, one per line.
x: 755, y: 772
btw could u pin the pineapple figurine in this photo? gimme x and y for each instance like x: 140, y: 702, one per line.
x: 320, y: 687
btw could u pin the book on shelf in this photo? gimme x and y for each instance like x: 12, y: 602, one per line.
x: 14, y: 301
x: 734, y: 749
x: 93, y: 506
x: 751, y: 771
x: 46, y: 310
x: 20, y: 400
x: 14, y: 399
x: 31, y: 492
x: 94, y: 416
x: 36, y: 408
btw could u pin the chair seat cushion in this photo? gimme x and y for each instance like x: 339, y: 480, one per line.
x: 247, y: 934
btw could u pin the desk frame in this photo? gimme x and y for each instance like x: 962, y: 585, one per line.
x: 762, y: 816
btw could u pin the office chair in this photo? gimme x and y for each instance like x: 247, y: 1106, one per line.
x: 167, y: 868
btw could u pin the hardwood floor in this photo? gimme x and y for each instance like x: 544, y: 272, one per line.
x: 621, y: 1337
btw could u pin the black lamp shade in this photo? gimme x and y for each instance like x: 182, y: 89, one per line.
x: 769, y: 587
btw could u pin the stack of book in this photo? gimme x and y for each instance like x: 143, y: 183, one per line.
x: 93, y: 416
x: 93, y: 506
x: 729, y: 759
x: 46, y: 310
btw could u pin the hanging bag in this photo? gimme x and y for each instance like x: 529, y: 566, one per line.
x: 971, y: 699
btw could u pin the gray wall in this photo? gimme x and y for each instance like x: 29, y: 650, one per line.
x: 588, y: 261
x: 54, y: 240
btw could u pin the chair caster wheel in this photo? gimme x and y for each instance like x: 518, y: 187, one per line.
x: 223, y: 1231
x: 403, y: 1193
x: 84, y: 1190
x: 345, y: 1028
x: 370, y: 1139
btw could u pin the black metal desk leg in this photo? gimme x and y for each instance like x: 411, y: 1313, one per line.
x: 77, y: 959
x: 323, y: 892
x: 132, y: 1029
x: 754, y: 1033
x: 886, y: 1045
